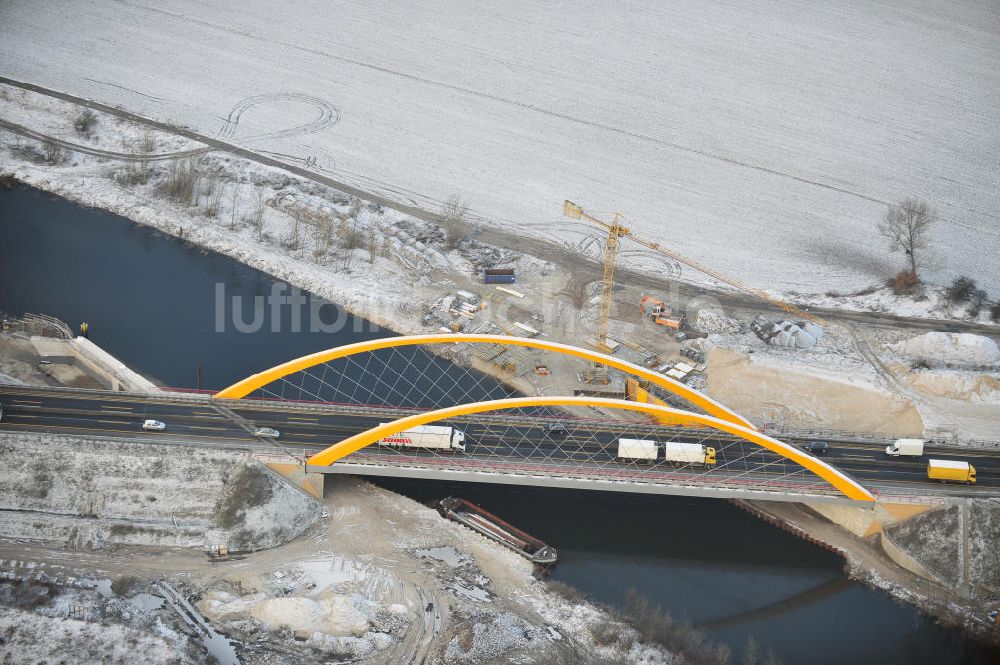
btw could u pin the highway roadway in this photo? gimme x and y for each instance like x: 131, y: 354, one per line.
x: 204, y: 422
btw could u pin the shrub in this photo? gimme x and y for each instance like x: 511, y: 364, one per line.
x: 568, y: 592
x: 124, y: 585
x: 179, y: 183
x: 995, y: 312
x: 27, y: 595
x: 41, y: 482
x: 85, y: 122
x: 905, y: 283
x: 681, y: 637
x: 606, y: 633
x: 961, y: 290
x: 53, y: 153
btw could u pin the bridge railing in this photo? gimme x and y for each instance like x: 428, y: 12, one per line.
x: 630, y: 475
x: 41, y: 325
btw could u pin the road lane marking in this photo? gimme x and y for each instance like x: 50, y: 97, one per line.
x: 113, y: 422
x: 305, y: 420
x: 145, y: 436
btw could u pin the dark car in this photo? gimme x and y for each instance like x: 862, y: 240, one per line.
x: 816, y: 447
x: 556, y: 429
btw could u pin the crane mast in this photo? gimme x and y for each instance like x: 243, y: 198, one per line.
x: 615, y: 231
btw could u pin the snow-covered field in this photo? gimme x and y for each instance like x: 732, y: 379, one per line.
x: 763, y: 138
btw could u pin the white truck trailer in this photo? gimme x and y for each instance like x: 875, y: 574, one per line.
x: 642, y: 450
x: 906, y: 448
x: 688, y: 453
x: 428, y: 437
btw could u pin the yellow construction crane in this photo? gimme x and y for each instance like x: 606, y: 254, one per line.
x: 616, y: 230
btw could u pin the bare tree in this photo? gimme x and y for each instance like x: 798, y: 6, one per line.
x: 294, y: 235
x: 751, y: 655
x: 372, y: 243
x: 324, y: 232
x: 179, y: 183
x: 257, y: 212
x: 54, y: 154
x: 349, y: 233
x: 145, y: 147
x: 235, y: 204
x: 905, y: 229
x: 136, y: 171
x: 213, y: 194
x: 454, y: 214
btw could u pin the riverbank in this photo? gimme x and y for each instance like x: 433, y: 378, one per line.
x: 360, y: 573
x: 966, y: 602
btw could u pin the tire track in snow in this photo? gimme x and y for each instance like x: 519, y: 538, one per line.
x: 515, y: 103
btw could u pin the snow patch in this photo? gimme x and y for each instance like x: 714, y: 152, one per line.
x: 940, y: 348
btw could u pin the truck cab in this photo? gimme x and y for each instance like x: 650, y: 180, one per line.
x: 458, y: 440
x: 906, y: 448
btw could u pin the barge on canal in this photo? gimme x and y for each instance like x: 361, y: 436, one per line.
x: 496, y: 529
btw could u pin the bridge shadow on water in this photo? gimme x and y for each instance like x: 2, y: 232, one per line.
x: 707, y: 562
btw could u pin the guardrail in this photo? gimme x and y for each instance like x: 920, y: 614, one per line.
x: 188, y: 396
x: 36, y: 324
x: 818, y: 488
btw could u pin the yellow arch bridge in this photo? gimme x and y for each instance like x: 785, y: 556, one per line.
x: 717, y: 417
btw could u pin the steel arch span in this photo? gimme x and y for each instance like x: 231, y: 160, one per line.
x: 839, y: 480
x: 248, y: 385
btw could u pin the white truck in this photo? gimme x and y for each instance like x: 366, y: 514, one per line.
x: 429, y: 437
x: 906, y: 448
x: 688, y: 453
x: 642, y: 450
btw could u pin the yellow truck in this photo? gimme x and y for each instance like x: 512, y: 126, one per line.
x: 950, y: 470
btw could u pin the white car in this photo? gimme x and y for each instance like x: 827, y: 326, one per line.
x: 267, y: 432
x: 153, y: 425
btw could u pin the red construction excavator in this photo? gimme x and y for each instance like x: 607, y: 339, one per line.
x: 659, y: 313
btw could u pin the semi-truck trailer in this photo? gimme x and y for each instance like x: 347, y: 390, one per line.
x: 950, y: 470
x: 906, y: 448
x: 688, y: 453
x: 431, y: 437
x: 638, y: 449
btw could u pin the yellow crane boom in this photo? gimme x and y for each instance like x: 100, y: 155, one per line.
x: 615, y: 230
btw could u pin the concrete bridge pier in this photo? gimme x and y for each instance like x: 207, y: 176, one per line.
x: 293, y: 469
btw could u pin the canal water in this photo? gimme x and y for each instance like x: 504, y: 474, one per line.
x: 151, y: 301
